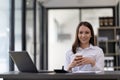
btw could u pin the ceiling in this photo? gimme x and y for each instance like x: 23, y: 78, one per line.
x: 78, y: 3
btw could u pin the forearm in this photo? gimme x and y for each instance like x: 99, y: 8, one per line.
x: 92, y: 62
x: 70, y: 67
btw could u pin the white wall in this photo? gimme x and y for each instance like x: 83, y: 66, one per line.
x: 57, y: 48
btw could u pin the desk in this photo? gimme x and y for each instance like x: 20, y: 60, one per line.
x: 112, y: 75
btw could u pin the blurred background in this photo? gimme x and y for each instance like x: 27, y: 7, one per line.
x: 46, y: 29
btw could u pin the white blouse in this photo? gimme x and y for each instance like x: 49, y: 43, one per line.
x: 94, y: 52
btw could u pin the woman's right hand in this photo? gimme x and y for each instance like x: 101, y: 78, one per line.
x: 76, y: 61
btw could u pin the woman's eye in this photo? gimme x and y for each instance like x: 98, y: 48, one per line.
x: 81, y: 32
x: 87, y: 32
x: 84, y: 32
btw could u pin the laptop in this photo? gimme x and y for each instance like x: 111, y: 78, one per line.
x: 24, y: 62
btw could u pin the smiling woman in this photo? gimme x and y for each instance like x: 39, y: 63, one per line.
x: 84, y: 55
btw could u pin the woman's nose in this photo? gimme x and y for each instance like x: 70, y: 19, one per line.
x: 83, y: 34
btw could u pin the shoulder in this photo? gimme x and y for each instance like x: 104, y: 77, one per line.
x: 98, y: 49
x: 95, y: 47
x: 69, y: 52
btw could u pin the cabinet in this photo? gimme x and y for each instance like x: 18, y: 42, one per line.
x: 109, y: 40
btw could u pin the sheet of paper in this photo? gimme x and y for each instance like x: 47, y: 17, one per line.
x: 87, y: 72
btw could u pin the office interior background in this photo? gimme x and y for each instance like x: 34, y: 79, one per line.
x: 46, y: 29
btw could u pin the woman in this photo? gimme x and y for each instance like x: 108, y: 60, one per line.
x: 84, y: 55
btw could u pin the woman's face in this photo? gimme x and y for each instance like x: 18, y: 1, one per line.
x: 84, y: 34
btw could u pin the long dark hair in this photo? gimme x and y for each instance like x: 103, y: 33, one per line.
x: 77, y: 41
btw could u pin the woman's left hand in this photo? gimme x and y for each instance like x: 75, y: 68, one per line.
x: 86, y: 60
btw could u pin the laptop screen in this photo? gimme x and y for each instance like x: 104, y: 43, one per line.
x: 23, y: 61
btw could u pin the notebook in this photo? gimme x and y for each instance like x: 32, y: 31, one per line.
x: 24, y: 62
